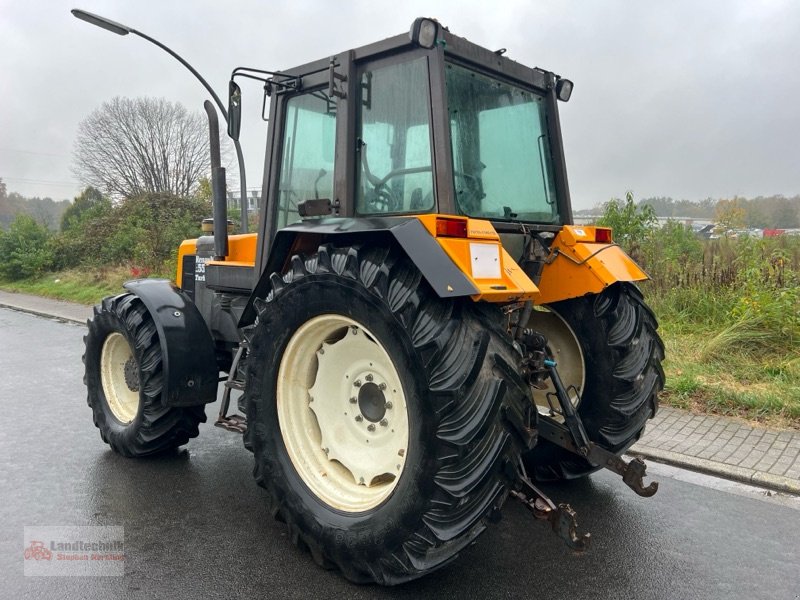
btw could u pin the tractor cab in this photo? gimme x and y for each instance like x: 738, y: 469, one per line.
x: 421, y: 123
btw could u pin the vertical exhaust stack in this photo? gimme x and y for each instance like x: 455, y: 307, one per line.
x: 218, y: 188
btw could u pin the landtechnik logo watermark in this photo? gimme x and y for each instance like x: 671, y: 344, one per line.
x: 74, y: 551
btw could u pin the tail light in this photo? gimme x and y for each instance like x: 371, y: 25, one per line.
x: 602, y: 235
x: 451, y: 228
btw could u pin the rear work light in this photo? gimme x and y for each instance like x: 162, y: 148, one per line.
x: 451, y: 228
x: 602, y: 235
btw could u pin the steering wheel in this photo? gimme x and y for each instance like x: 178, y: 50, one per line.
x: 469, y: 198
x: 381, y: 200
x: 382, y: 197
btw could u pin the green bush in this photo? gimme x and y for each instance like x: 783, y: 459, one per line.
x: 150, y: 228
x: 142, y: 233
x: 82, y: 239
x: 747, y: 289
x: 25, y: 249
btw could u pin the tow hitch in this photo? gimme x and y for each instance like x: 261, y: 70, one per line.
x: 562, y: 518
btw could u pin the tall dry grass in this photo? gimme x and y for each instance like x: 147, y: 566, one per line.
x: 748, y: 289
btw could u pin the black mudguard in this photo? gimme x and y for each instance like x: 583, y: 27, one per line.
x: 190, y: 370
x: 436, y: 267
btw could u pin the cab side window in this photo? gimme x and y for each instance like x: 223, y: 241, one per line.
x: 309, y: 141
x: 395, y: 173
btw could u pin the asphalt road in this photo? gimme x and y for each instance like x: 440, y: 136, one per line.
x: 196, y: 524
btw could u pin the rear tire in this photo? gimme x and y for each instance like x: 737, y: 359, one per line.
x: 124, y: 378
x: 619, y: 363
x: 459, y: 402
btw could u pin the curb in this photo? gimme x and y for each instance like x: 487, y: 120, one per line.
x: 750, y: 476
x: 42, y: 313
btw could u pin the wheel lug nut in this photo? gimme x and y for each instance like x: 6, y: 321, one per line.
x: 353, y: 400
x: 359, y: 418
x: 384, y: 422
x: 357, y: 383
x: 368, y: 377
x: 388, y: 405
x: 371, y: 427
x: 382, y: 386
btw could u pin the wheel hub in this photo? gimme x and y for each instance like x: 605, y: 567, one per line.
x: 566, y: 350
x: 119, y: 376
x: 342, y: 413
x: 131, y: 375
x: 371, y: 402
x: 361, y: 435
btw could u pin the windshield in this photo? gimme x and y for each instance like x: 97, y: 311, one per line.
x: 501, y: 153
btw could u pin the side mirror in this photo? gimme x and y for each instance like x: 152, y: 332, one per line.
x: 234, y: 110
x: 564, y: 90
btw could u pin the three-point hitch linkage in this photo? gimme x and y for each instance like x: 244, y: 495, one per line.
x: 563, y: 427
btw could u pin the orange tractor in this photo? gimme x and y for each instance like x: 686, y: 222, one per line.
x: 416, y: 332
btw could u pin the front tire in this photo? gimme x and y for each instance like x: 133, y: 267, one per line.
x: 124, y: 378
x: 457, y: 412
x: 607, y: 347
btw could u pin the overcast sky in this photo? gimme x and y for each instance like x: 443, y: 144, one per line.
x: 686, y: 99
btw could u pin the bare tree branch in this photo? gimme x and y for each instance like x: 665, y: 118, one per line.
x: 131, y: 146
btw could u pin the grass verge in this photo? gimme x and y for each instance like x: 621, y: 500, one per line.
x: 758, y: 387
x: 83, y: 286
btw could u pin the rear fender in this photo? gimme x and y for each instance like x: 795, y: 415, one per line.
x: 304, y: 238
x: 189, y: 364
x: 578, y: 265
x: 471, y: 264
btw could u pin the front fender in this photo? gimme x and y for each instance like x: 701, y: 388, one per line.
x: 189, y: 363
x: 578, y: 266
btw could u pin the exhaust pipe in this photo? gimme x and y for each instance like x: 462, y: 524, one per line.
x: 218, y: 188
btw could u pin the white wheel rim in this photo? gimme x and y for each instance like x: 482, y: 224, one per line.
x: 342, y: 413
x: 566, y: 349
x: 121, y: 392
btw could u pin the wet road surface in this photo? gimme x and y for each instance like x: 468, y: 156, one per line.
x: 196, y: 525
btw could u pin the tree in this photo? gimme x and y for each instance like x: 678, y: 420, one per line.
x: 730, y: 214
x: 129, y: 147
x: 787, y: 213
x: 44, y: 210
x: 6, y: 214
x: 754, y: 215
x: 83, y: 203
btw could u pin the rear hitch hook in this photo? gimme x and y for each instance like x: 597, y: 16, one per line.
x: 565, y: 523
x: 634, y: 473
x: 562, y: 518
